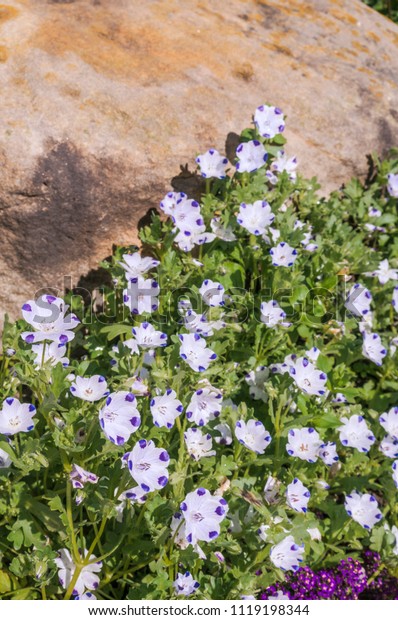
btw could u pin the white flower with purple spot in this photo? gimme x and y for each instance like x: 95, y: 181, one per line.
x: 185, y: 584
x: 384, y: 273
x: 392, y: 185
x: 256, y: 380
x: 5, y: 459
x: 141, y: 295
x: 339, y: 398
x: 373, y: 348
x: 297, y: 496
x: 389, y: 447
x: 186, y: 240
x: 16, y: 417
x: 271, y: 490
x: 225, y: 233
x: 279, y: 596
x: 54, y: 354
x: 358, y: 300
x: 205, y: 405
x: 395, y: 473
x: 79, y: 477
x: 374, y: 212
x: 212, y: 293
x: 47, y: 315
x: 90, y: 388
x: 355, y: 433
x: 203, y: 514
x: 395, y: 299
x: 283, y: 163
x: 86, y: 596
x: 198, y: 445
x: 287, y: 555
x: 165, y: 409
x: 253, y: 435
x: 269, y: 121
x: 147, y: 337
x: 225, y: 438
x: 256, y: 217
x: 135, y: 495
x: 283, y: 255
x: 119, y: 418
x: 187, y: 216
x: 251, y: 156
x: 363, y: 508
x: 272, y: 314
x: 307, y: 377
x: 194, y: 351
x: 148, y: 465
x: 389, y: 422
x: 304, y: 443
x: 136, y: 265
x: 88, y: 578
x: 212, y: 164
x: 328, y: 453
x: 169, y: 202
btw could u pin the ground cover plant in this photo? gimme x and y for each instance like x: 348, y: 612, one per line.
x: 221, y: 422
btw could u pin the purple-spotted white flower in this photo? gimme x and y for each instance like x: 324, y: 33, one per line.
x: 225, y: 438
x: 147, y: 337
x: 165, y: 409
x: 212, y: 164
x: 186, y: 240
x: 198, y: 445
x: 297, y: 496
x: 47, y: 315
x: 86, y: 596
x: 328, y: 453
x: 253, y: 435
x: 16, y: 417
x: 395, y: 299
x: 279, y: 596
x: 304, y: 443
x: 363, y: 508
x: 339, y: 398
x: 212, y: 293
x: 374, y: 212
x: 358, y: 300
x: 256, y: 217
x: 90, y: 388
x: 148, y: 465
x: 119, y: 418
x: 251, y: 156
x: 307, y: 377
x: 395, y: 473
x: 194, y: 351
x: 373, y: 348
x: 384, y: 273
x: 355, y: 433
x: 79, y: 476
x: 283, y: 255
x: 269, y: 121
x: 141, y: 295
x: 271, y: 490
x: 136, y: 265
x: 272, y: 314
x: 389, y: 422
x: 187, y: 216
x: 225, y: 233
x: 287, y: 555
x: 203, y: 514
x: 54, y: 354
x: 392, y: 185
x: 283, y: 163
x: 169, y: 202
x: 5, y: 459
x: 389, y: 447
x: 205, y: 405
x: 256, y: 380
x: 88, y: 578
x: 135, y: 495
x: 185, y: 584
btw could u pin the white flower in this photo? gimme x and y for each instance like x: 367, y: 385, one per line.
x: 307, y: 377
x: 16, y: 417
x: 5, y: 459
x: 395, y: 472
x: 356, y: 434
x: 253, y: 435
x: 314, y: 533
x: 287, y: 555
x: 212, y: 293
x: 313, y: 354
x: 194, y: 351
x: 226, y: 435
x: 185, y: 584
x: 165, y: 409
x: 373, y: 348
x: 263, y: 532
x: 255, y: 380
x: 394, y: 531
x: 283, y: 255
x: 392, y: 185
x: 86, y: 596
x: 203, y: 514
x: 187, y: 216
x: 328, y: 453
x: 304, y: 443
x: 389, y: 422
x: 283, y: 163
x: 197, y: 323
x: 135, y: 495
x: 80, y: 476
x: 389, y: 447
x: 384, y: 273
x: 136, y: 265
x: 186, y: 240
x: 363, y: 508
x: 47, y: 316
x: 358, y: 300
x: 272, y: 314
x: 88, y: 578
x: 170, y: 201
x: 225, y: 233
x: 271, y: 490
x: 90, y: 388
x: 251, y: 155
x: 374, y: 212
x: 147, y: 337
x: 339, y: 398
x: 256, y: 217
x: 395, y: 298
x: 54, y: 353
x: 119, y: 418
x: 148, y: 465
x: 198, y: 445
x: 205, y: 405
x: 212, y: 164
x: 279, y: 597
x: 141, y: 295
x: 269, y: 121
x: 297, y: 496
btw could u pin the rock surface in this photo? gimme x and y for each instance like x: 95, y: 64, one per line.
x: 102, y: 100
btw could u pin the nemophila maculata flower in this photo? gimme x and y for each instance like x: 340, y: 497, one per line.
x: 187, y: 216
x: 147, y: 337
x: 355, y: 433
x: 141, y: 296
x: 389, y: 447
x: 256, y: 217
x: 86, y: 596
x: 212, y: 164
x: 198, y: 445
x: 148, y: 465
x: 48, y: 317
x: 16, y: 417
x: 203, y: 513
x: 283, y: 255
x: 88, y: 578
x: 358, y: 300
x: 389, y: 421
x: 185, y: 584
x: 373, y: 348
x: 283, y: 163
x: 5, y: 459
x: 225, y: 233
x: 251, y: 156
x: 297, y: 496
x: 225, y: 438
x: 90, y: 388
x: 384, y: 273
x: 287, y: 554
x: 363, y: 508
x: 307, y: 377
x: 205, y: 405
x: 304, y: 443
x: 256, y: 380
x: 119, y: 418
x: 195, y: 353
x: 269, y: 121
x: 136, y: 265
x: 212, y: 293
x: 253, y: 435
x: 395, y: 473
x: 272, y: 314
x: 53, y: 354
x: 328, y: 453
x: 170, y: 201
x: 188, y: 239
x: 79, y: 477
x: 165, y: 409
x: 392, y: 185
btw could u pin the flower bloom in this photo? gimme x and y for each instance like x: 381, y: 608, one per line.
x: 225, y: 233
x: 307, y: 377
x: 86, y: 596
x: 165, y: 409
x: 186, y: 240
x: 198, y: 445
x: 256, y: 217
x: 225, y: 438
x: 47, y: 316
x: 272, y: 314
x: 392, y: 185
x: 80, y: 476
x: 355, y: 433
x: 384, y: 273
x: 395, y: 299
x: 16, y: 417
x: 358, y: 300
x: 88, y: 578
x: 119, y: 418
x: 253, y: 435
x: 271, y: 490
x: 185, y: 584
x: 282, y: 163
x: 283, y: 255
x: 170, y: 201
x: 395, y: 473
x: 5, y: 459
x: 373, y: 348
x: 251, y: 155
x: 54, y: 354
x: 147, y: 337
x: 297, y: 496
x: 212, y: 293
x: 212, y: 164
x: 136, y: 265
x: 255, y: 380
x: 194, y: 351
x: 363, y: 508
x: 389, y: 447
x: 304, y: 443
x: 287, y: 555
x: 141, y: 295
x: 269, y: 121
x: 389, y: 422
x: 90, y: 388
x: 205, y: 405
x: 148, y: 465
x: 328, y: 454
x: 203, y: 514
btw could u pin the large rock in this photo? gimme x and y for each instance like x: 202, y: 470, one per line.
x: 102, y: 100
